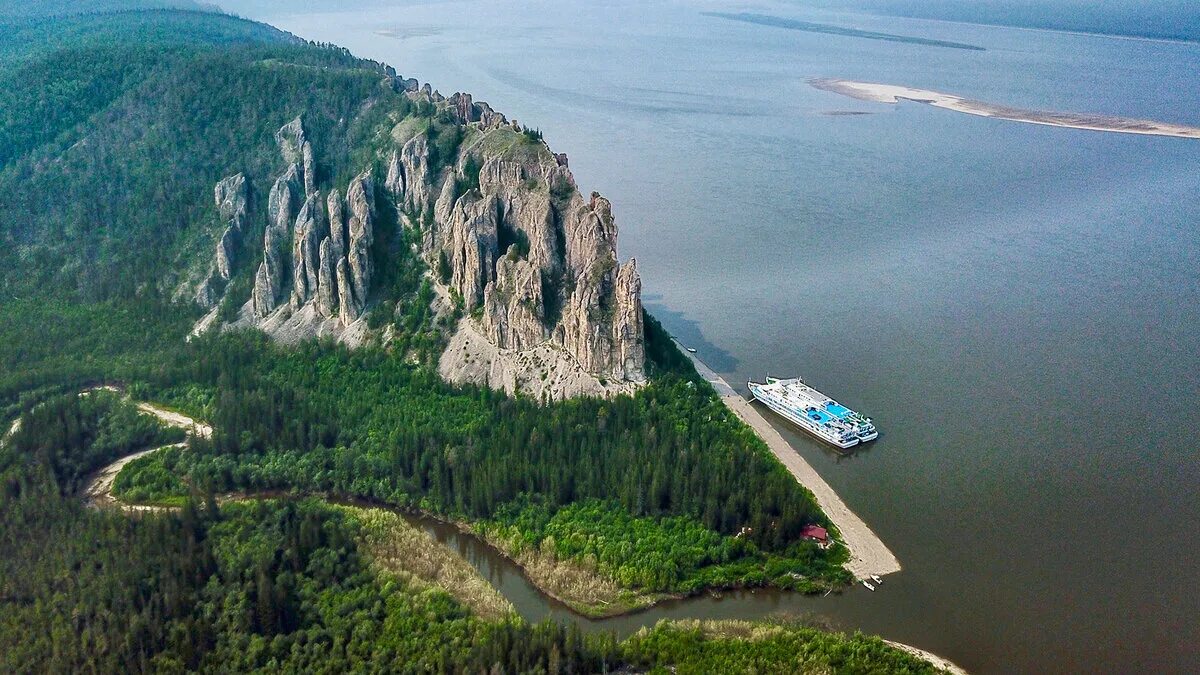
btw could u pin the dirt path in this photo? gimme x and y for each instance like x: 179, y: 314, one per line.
x: 868, y: 554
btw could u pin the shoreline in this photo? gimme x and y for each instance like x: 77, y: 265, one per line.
x: 98, y: 494
x: 937, y: 661
x: 868, y: 554
x: 893, y: 94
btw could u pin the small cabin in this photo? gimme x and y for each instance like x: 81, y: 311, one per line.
x: 815, y: 533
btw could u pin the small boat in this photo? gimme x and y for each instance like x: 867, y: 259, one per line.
x: 691, y: 350
x: 868, y: 585
x: 876, y: 579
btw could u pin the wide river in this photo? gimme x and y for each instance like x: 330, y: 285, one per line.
x: 1017, y: 306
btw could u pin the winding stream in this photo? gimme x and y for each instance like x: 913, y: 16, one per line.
x: 533, y: 605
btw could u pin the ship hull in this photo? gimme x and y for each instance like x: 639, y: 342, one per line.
x: 813, y: 412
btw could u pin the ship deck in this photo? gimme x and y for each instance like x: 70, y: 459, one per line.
x: 801, y: 396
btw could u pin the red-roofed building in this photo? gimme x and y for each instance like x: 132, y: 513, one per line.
x: 815, y: 533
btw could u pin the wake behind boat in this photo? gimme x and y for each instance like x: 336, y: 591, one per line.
x: 814, y: 412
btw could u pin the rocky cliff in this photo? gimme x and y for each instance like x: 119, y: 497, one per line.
x: 231, y: 199
x: 517, y: 254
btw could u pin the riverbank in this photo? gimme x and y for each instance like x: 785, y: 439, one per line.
x: 585, y: 591
x: 98, y: 492
x: 929, y: 657
x: 400, y: 548
x: 99, y: 489
x: 889, y: 93
x: 868, y: 554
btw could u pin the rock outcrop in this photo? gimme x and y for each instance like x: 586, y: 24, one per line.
x: 514, y: 310
x: 327, y: 291
x: 306, y: 243
x: 547, y: 308
x: 270, y: 280
x: 231, y: 197
x: 629, y: 345
x: 361, y: 230
x: 532, y: 262
x: 316, y: 249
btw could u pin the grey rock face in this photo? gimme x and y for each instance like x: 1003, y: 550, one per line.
x: 270, y: 279
x: 262, y: 296
x: 306, y: 239
x: 591, y: 261
x: 394, y: 182
x: 310, y: 170
x: 591, y: 237
x: 230, y: 196
x: 524, y: 207
x: 463, y: 108
x: 488, y: 118
x: 527, y: 248
x: 513, y: 305
x: 414, y: 159
x: 337, y: 221
x: 472, y: 247
x: 226, y: 250
x: 361, y: 229
x: 629, y: 347
x: 284, y: 199
x: 533, y: 259
x: 290, y: 139
x: 347, y: 308
x: 206, y: 293
x: 327, y: 291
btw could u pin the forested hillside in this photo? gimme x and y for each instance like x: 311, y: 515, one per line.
x: 109, y: 147
x: 49, y: 8
x: 114, y: 129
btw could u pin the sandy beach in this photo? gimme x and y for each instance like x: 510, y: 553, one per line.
x: 868, y: 554
x: 890, y: 93
x: 937, y: 661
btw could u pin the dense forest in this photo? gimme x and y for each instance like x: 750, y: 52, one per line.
x: 276, y: 585
x: 113, y: 130
x: 262, y: 585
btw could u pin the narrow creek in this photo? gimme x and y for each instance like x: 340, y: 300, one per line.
x: 508, y: 578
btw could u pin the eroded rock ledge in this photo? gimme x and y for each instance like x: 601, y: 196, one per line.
x: 512, y: 246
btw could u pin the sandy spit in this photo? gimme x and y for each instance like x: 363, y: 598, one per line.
x: 868, y: 554
x: 937, y: 661
x: 890, y: 93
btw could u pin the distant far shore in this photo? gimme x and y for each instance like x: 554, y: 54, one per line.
x: 890, y: 93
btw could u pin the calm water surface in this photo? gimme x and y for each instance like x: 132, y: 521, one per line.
x: 1016, y: 305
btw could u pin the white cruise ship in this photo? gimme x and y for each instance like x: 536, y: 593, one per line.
x: 814, y: 412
